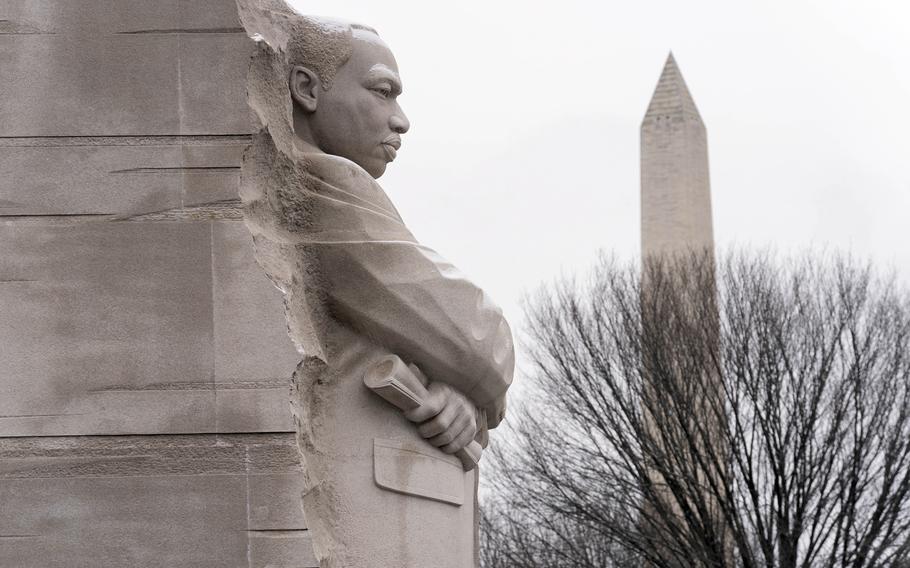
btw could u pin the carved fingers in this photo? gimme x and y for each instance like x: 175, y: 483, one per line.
x: 460, y: 441
x: 446, y: 419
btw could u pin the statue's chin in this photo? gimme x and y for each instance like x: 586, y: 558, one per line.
x: 375, y: 170
x: 371, y: 165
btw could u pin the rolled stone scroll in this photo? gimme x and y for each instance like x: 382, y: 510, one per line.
x: 400, y: 386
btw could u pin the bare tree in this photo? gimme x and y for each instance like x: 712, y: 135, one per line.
x: 753, y: 414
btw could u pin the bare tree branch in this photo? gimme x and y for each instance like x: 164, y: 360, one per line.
x: 748, y: 413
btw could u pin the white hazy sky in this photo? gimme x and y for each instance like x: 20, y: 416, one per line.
x: 522, y: 159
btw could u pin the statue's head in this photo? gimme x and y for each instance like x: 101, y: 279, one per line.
x: 345, y: 94
x: 320, y: 85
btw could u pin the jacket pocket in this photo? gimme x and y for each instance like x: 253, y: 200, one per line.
x: 409, y: 469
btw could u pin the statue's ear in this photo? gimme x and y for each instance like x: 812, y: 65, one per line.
x: 304, y: 85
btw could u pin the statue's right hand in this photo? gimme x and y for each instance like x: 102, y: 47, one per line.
x: 447, y: 419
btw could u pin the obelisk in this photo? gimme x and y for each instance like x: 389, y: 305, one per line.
x: 677, y: 238
x: 675, y: 190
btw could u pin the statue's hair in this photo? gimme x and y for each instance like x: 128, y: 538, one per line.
x: 284, y: 39
x: 321, y: 45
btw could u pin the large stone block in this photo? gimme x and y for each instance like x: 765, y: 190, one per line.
x: 152, y: 85
x: 130, y: 521
x: 136, y: 328
x: 282, y: 550
x: 112, y: 68
x: 150, y: 501
x: 117, y: 176
x: 97, y: 17
x: 100, y: 318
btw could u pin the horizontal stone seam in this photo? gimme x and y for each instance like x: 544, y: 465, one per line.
x: 278, y: 533
x: 126, y: 140
x: 174, y: 31
x: 180, y: 170
x: 240, y: 385
x: 238, y: 474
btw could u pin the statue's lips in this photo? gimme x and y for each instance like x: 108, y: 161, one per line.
x: 391, y: 146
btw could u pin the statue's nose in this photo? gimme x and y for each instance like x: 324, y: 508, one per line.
x: 399, y: 122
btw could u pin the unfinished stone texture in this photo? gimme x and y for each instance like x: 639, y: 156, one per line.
x: 675, y: 188
x: 144, y: 364
x: 358, y: 288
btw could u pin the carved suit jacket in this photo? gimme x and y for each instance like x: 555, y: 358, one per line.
x: 368, y: 272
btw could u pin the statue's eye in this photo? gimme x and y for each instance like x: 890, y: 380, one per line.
x: 384, y: 91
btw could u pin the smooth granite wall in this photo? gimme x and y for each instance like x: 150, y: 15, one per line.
x: 144, y: 361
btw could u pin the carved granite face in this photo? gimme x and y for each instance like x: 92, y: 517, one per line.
x: 358, y: 118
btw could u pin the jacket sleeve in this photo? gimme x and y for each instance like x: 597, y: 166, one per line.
x: 409, y: 299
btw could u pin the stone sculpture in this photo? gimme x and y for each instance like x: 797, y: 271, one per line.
x: 363, y: 300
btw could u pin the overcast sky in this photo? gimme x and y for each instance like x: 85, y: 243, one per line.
x: 522, y: 159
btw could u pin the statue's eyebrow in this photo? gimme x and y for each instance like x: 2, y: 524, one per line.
x: 383, y: 72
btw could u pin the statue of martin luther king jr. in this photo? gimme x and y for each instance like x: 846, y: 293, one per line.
x: 406, y: 363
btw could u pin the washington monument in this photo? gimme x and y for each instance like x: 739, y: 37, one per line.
x: 676, y: 222
x: 675, y: 189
